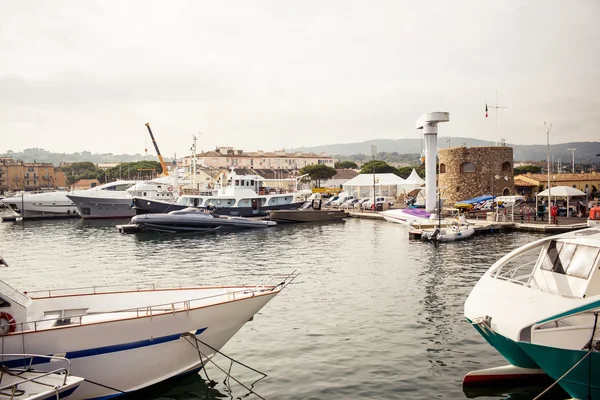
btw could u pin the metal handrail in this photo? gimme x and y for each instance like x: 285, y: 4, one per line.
x: 64, y: 370
x: 150, y: 310
x: 141, y: 287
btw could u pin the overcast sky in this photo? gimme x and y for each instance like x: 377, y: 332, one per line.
x: 87, y: 75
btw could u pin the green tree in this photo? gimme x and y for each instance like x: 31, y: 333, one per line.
x: 317, y: 172
x: 345, y: 165
x: 534, y: 169
x: 133, y: 170
x: 381, y: 167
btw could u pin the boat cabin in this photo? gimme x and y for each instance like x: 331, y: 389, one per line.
x: 566, y: 265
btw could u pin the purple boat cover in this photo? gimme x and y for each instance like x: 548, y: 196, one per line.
x: 417, y: 212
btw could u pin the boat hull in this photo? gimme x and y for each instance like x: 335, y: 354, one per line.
x: 307, y: 215
x: 98, y: 207
x: 42, y: 209
x: 196, y: 222
x: 132, y: 353
x: 145, y: 206
x: 582, y: 381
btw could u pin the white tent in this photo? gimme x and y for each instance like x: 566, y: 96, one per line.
x: 411, y: 183
x: 362, y: 185
x: 560, y: 192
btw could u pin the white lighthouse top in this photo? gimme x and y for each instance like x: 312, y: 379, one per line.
x: 432, y: 118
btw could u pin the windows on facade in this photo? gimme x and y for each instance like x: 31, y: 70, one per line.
x: 467, y: 167
x: 506, y: 167
x: 442, y: 168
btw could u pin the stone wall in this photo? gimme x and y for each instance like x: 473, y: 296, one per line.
x: 475, y: 171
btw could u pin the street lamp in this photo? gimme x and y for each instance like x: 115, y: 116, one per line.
x: 548, y: 127
x: 573, y: 151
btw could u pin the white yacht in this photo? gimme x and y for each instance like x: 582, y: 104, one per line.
x: 244, y: 196
x: 57, y: 204
x: 118, y: 204
x: 124, y: 338
x: 539, y: 306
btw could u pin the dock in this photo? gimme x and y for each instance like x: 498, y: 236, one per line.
x: 129, y: 228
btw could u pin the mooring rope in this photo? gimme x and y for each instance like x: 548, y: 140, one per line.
x: 228, y: 374
x: 591, y: 349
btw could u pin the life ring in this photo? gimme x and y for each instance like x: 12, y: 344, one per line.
x: 170, y: 188
x: 12, y: 324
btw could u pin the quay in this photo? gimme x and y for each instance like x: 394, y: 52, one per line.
x: 482, y: 226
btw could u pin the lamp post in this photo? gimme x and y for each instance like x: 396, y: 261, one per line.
x: 548, y: 127
x: 573, y: 151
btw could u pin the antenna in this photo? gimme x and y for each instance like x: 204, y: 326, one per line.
x: 497, y: 107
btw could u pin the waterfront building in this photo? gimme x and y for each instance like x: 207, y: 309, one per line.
x: 84, y: 184
x: 530, y: 184
x: 467, y: 172
x: 228, y: 157
x: 20, y: 175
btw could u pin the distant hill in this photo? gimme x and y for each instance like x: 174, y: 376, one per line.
x: 41, y: 155
x: 585, y: 151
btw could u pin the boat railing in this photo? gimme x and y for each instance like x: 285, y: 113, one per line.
x: 105, y: 289
x: 509, y: 274
x: 243, y: 291
x: 27, y: 366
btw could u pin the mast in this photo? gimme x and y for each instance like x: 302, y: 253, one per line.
x: 162, y: 162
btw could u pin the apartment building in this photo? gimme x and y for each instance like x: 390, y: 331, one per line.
x: 20, y: 175
x: 228, y: 157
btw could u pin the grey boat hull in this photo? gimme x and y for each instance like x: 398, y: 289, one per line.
x: 97, y: 207
x: 181, y: 221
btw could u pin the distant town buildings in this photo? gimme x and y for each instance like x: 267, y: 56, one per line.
x: 228, y: 157
x: 19, y: 175
x: 529, y: 184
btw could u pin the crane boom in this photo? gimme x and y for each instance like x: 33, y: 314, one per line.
x: 162, y: 162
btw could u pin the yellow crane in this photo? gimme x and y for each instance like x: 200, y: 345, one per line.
x: 162, y: 162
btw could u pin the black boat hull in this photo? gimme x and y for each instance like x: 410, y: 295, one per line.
x: 143, y: 206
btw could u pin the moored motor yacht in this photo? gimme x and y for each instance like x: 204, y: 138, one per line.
x: 245, y: 196
x: 123, y: 338
x: 538, y: 306
x: 57, y: 204
x: 195, y: 220
x: 118, y: 204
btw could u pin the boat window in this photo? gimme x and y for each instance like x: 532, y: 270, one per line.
x: 237, y: 183
x: 144, y: 194
x: 583, y: 261
x: 550, y: 261
x: 570, y: 259
x: 4, y: 303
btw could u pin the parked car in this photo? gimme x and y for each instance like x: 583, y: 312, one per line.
x: 349, y: 203
x: 330, y: 200
x: 360, y: 202
x: 368, y: 205
x: 341, y: 201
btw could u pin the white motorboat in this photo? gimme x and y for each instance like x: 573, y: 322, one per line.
x: 19, y: 380
x: 195, y: 220
x: 450, y: 233
x: 57, y: 204
x: 245, y: 196
x: 122, y: 339
x: 119, y: 204
x: 539, y: 306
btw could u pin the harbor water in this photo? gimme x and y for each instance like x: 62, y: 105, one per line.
x: 372, y: 315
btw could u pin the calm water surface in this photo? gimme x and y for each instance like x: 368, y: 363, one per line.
x: 372, y: 315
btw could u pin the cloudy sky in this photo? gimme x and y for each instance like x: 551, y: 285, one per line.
x: 87, y: 75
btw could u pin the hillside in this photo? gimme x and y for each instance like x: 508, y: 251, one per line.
x: 41, y: 155
x: 585, y: 151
